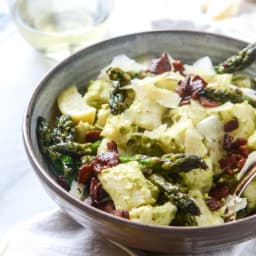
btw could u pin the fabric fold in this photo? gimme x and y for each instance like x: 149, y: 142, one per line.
x: 55, y: 234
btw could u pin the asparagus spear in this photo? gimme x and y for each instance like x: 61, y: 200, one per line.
x: 64, y: 130
x: 75, y: 148
x: 168, y: 163
x: 222, y: 96
x: 184, y: 203
x: 184, y: 219
x: 67, y: 163
x: 232, y: 95
x: 43, y: 135
x: 185, y: 162
x: 62, y: 164
x: 118, y: 98
x: 238, y: 61
x: 124, y: 77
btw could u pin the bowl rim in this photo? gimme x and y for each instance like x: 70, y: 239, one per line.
x: 43, y: 173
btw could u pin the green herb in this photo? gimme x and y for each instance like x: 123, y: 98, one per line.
x: 124, y: 77
x: 140, y: 144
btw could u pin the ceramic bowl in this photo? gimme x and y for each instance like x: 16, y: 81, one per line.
x: 85, y: 65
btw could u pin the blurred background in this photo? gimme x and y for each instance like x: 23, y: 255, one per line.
x: 22, y: 67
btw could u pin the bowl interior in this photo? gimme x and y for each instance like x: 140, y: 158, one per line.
x: 85, y: 65
x: 80, y: 68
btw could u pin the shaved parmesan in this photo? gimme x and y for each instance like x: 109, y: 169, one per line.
x: 202, y: 66
x: 212, y: 129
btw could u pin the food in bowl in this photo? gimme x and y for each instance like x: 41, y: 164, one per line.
x: 158, y: 142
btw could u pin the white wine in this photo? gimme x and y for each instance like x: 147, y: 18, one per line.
x: 60, y: 27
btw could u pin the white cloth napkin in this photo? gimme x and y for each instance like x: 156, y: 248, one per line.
x: 241, y: 26
x: 55, y: 234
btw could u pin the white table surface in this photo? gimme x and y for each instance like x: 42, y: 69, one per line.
x: 21, y: 68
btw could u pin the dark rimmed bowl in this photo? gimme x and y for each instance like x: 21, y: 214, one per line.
x: 85, y: 65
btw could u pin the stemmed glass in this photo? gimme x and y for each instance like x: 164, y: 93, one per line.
x: 59, y: 28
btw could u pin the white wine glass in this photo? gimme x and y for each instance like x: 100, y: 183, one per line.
x: 58, y: 28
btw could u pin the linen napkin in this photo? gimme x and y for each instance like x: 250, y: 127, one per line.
x: 55, y: 234
x: 241, y: 26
